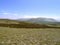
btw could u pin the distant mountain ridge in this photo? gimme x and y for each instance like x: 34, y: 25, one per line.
x: 30, y: 23
x: 20, y: 24
x: 43, y: 19
x: 40, y: 20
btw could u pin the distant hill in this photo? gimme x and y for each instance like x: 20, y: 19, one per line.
x: 23, y: 19
x: 31, y: 23
x: 46, y: 21
x: 8, y: 21
x: 40, y: 20
x: 19, y: 24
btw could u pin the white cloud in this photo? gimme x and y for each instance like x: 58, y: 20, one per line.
x: 27, y: 16
x: 36, y: 16
x: 8, y: 15
x: 17, y: 16
x: 5, y: 13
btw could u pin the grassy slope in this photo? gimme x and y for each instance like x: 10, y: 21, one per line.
x: 22, y: 36
x: 21, y: 24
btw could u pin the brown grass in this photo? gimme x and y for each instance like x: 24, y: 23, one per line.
x: 23, y: 36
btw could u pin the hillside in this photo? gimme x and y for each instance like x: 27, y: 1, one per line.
x: 23, y: 24
x: 45, y: 21
x: 39, y: 20
x: 19, y: 24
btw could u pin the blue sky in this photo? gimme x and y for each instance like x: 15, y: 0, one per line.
x: 14, y: 9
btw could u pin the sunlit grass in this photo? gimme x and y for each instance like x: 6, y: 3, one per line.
x: 22, y: 36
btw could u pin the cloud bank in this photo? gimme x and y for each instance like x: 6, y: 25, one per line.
x: 17, y: 16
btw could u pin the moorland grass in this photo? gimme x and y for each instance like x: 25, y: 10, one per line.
x: 24, y: 36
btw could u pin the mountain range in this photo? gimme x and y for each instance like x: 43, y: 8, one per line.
x: 31, y: 22
x: 40, y: 20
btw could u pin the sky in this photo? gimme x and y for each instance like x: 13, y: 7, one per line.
x: 15, y: 9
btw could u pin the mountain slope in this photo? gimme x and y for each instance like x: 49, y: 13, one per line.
x: 29, y: 23
x: 40, y: 20
x: 20, y: 24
